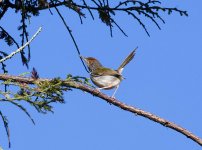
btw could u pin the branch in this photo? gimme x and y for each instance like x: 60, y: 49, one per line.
x: 24, y: 36
x: 21, y: 48
x: 8, y: 38
x: 115, y: 102
x: 150, y: 9
x: 5, y: 8
x: 5, y: 121
x: 72, y: 37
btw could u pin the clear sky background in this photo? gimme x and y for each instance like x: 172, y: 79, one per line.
x: 164, y: 78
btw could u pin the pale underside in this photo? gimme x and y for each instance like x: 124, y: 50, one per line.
x: 106, y: 82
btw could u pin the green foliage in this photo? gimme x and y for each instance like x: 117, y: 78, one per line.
x: 79, y: 79
x: 39, y: 95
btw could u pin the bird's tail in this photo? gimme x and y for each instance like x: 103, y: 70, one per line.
x: 127, y: 60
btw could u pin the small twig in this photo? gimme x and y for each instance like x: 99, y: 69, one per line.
x: 20, y: 107
x: 140, y: 22
x: 96, y: 3
x: 119, y: 27
x: 5, y: 121
x: 25, y: 35
x: 14, y: 41
x: 85, y: 4
x: 152, y: 18
x: 72, y: 37
x: 4, y: 11
x: 111, y: 20
x: 22, y: 47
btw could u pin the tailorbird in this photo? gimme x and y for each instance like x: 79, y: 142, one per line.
x: 106, y: 78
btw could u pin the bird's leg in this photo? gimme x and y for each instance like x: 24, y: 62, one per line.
x: 98, y: 89
x: 106, y: 87
x: 116, y: 88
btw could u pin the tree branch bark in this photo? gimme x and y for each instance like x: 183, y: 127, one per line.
x: 115, y: 102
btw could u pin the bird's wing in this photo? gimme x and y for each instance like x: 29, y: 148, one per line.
x: 104, y: 72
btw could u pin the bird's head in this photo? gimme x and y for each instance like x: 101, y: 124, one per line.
x: 92, y: 63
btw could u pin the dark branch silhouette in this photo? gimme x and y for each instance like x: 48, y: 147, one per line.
x: 72, y: 37
x: 107, y: 11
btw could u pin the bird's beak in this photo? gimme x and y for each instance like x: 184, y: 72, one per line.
x: 83, y: 58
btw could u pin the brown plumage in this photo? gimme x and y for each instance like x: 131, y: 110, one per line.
x: 106, y: 78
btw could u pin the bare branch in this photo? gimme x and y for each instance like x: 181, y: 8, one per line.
x: 115, y: 102
x: 140, y: 22
x: 21, y: 48
x: 22, y: 108
x: 72, y: 37
x: 5, y: 121
x: 85, y: 4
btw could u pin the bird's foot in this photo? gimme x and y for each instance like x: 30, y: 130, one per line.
x: 113, y: 97
x: 97, y: 90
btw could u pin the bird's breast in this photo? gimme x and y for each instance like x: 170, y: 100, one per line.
x: 106, y: 82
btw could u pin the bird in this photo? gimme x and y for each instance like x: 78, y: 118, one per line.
x: 106, y: 78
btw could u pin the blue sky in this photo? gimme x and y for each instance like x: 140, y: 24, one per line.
x: 164, y: 78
